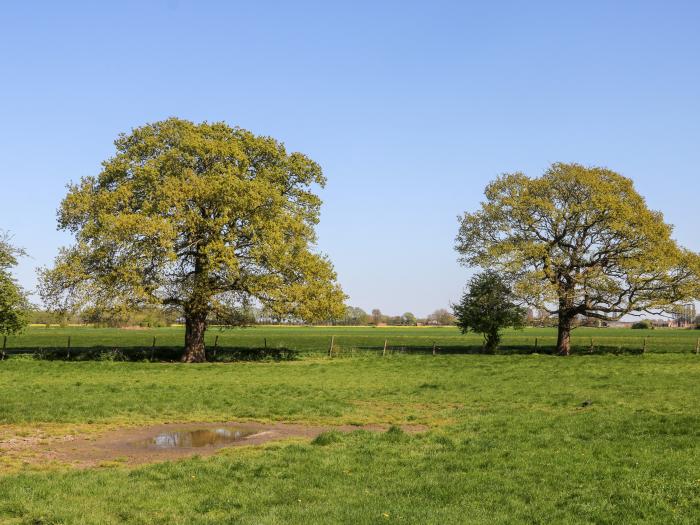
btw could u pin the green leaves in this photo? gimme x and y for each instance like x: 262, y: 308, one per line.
x: 191, y: 214
x: 579, y: 234
x: 14, y: 305
x: 487, y: 307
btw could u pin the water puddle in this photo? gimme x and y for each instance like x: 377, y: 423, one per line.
x: 205, y: 437
x: 167, y: 442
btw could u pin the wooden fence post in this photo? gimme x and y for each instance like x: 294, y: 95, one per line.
x: 153, y: 347
x: 4, y: 346
x: 697, y: 346
x: 216, y: 344
x: 590, y: 348
x: 330, y: 349
x: 266, y: 343
x: 68, y: 351
x: 536, y: 344
x: 433, y: 347
x: 384, y: 351
x: 644, y: 347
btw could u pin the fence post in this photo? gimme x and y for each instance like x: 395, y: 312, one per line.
x: 153, y: 347
x: 433, y: 347
x: 384, y: 351
x: 697, y: 346
x: 644, y: 348
x: 330, y: 349
x: 590, y: 348
x: 266, y: 343
x: 68, y: 351
x: 4, y: 346
x: 216, y: 343
x: 536, y: 344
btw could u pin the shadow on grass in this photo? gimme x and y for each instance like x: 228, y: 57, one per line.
x: 158, y: 354
x: 505, y: 350
x: 223, y: 354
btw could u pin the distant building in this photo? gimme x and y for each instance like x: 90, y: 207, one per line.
x: 618, y: 324
x: 671, y: 323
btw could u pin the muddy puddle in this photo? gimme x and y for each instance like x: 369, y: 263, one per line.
x: 134, y: 446
x: 197, y: 438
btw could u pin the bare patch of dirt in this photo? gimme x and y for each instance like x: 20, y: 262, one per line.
x: 135, y: 446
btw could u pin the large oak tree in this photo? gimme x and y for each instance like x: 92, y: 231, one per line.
x: 579, y: 241
x: 202, y: 217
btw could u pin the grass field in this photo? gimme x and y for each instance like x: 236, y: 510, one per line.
x: 349, y: 340
x: 525, y: 438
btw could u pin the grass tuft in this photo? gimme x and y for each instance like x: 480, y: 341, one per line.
x: 327, y: 438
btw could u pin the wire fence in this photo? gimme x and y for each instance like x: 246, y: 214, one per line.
x: 225, y: 347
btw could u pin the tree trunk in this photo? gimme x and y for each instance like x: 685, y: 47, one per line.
x: 195, y: 327
x: 491, y: 342
x: 564, y: 334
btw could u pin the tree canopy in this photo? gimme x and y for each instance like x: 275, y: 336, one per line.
x: 579, y: 241
x: 14, y: 305
x: 408, y: 318
x: 441, y: 317
x: 486, y: 307
x: 355, y: 316
x: 202, y: 217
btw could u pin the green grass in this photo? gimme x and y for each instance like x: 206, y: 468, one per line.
x: 316, y: 340
x: 510, y: 438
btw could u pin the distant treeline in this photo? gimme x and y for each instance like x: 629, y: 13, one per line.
x: 153, y: 317
x: 355, y: 316
x: 160, y: 317
x: 156, y: 316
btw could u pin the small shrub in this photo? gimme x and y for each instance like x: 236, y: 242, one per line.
x: 327, y: 438
x: 21, y: 357
x: 395, y: 434
x: 112, y: 355
x: 644, y: 324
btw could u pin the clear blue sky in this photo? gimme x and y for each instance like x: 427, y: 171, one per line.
x: 410, y: 107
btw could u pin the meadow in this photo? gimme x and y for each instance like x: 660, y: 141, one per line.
x: 519, y: 437
x: 309, y: 341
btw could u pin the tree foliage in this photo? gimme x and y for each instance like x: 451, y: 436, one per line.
x: 486, y: 307
x: 408, y: 318
x: 441, y: 317
x: 579, y: 241
x: 14, y: 305
x: 354, y: 316
x: 202, y: 217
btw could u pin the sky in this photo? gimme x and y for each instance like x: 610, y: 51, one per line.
x: 411, y: 108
